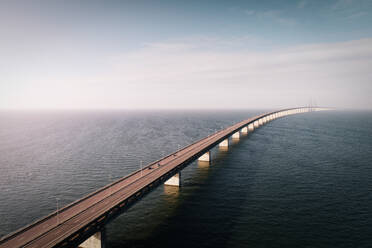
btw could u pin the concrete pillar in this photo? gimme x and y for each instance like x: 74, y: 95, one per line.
x: 256, y: 124
x: 174, y: 181
x: 245, y: 130
x: 224, y: 143
x: 236, y: 135
x: 97, y: 240
x: 205, y: 157
x: 264, y: 120
x: 251, y: 127
x: 260, y: 122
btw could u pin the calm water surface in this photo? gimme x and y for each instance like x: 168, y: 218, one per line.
x: 300, y: 181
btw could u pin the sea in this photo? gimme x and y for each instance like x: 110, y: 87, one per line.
x: 303, y: 180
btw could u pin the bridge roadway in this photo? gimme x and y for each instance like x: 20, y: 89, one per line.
x: 78, y: 217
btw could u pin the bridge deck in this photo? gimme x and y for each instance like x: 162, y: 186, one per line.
x: 53, y: 229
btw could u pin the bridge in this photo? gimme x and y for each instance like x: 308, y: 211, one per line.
x: 82, y: 223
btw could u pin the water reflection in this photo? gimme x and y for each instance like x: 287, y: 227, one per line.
x: 223, y: 148
x: 235, y: 141
x: 204, y: 164
x: 172, y: 193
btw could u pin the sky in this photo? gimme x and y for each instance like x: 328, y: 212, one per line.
x: 185, y: 54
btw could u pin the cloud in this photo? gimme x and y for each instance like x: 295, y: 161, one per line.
x: 329, y: 72
x: 342, y: 4
x: 357, y: 15
x: 249, y: 12
x: 301, y: 4
x: 272, y: 15
x: 197, y: 73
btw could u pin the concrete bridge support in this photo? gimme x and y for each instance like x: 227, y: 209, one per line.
x: 174, y: 181
x: 236, y: 135
x: 205, y: 157
x: 244, y: 130
x: 256, y: 124
x: 260, y: 122
x: 97, y: 240
x: 224, y: 143
x: 251, y: 127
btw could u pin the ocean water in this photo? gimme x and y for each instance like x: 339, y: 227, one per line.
x: 300, y: 181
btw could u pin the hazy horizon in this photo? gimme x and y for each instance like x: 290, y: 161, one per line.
x: 174, y: 55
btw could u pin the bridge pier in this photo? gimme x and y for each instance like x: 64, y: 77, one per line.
x: 251, y: 127
x: 97, y: 240
x: 245, y: 130
x: 236, y: 135
x: 205, y: 157
x: 174, y: 181
x: 260, y: 122
x: 256, y: 124
x: 224, y: 143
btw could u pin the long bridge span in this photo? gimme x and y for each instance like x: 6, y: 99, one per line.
x: 81, y: 223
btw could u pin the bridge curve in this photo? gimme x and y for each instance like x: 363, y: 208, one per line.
x: 78, y: 221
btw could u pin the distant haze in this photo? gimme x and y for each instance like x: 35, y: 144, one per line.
x: 193, y: 54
